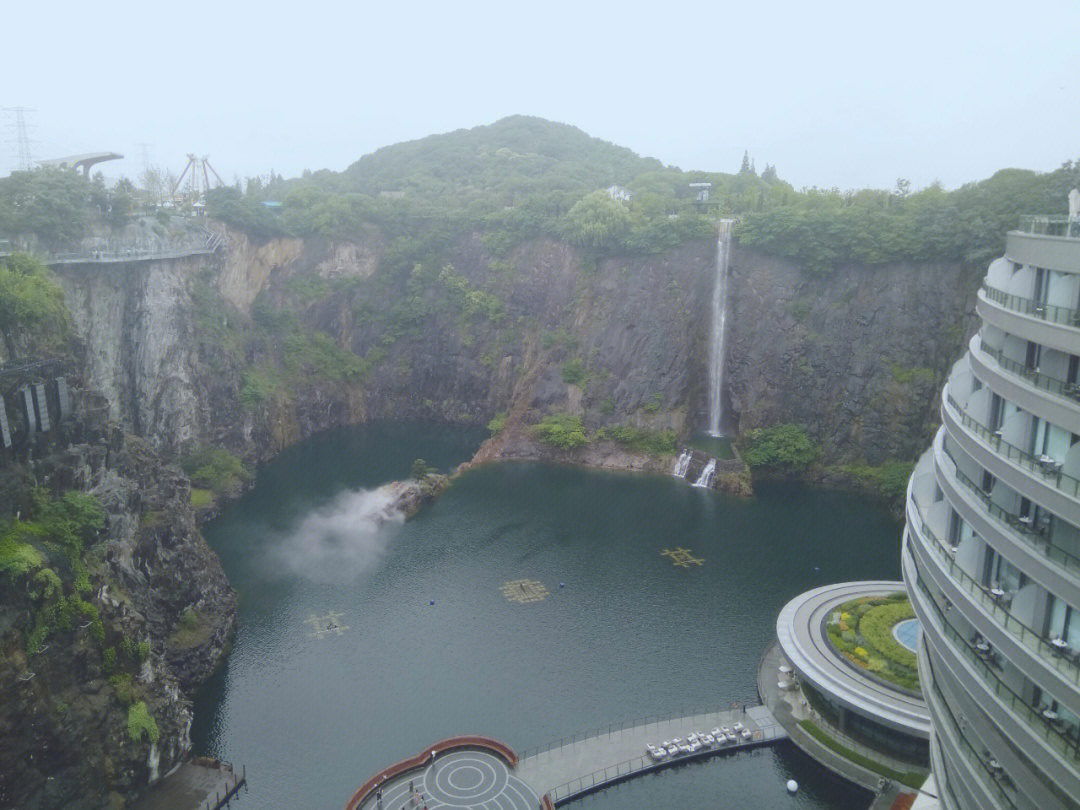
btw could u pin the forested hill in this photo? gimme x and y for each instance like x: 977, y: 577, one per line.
x: 518, y: 178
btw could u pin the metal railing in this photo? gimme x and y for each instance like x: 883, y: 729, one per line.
x: 1052, y: 475
x: 1038, y: 724
x: 1033, y: 376
x: 969, y: 751
x: 1050, y: 226
x: 1025, y: 636
x: 1069, y: 316
x: 623, y: 770
x: 679, y: 714
x: 1026, y: 531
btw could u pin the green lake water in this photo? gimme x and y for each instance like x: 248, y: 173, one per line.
x: 313, y: 716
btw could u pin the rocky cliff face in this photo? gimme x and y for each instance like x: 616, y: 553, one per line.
x: 858, y: 356
x: 482, y: 336
x: 64, y: 740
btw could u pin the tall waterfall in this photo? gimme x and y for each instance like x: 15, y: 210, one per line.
x: 682, y: 464
x: 716, y: 338
x: 708, y: 473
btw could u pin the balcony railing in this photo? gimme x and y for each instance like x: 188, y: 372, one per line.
x: 1059, y: 741
x: 1033, y: 376
x: 1068, y: 316
x: 1049, y: 470
x: 996, y: 776
x: 1050, y: 226
x: 1023, y: 634
x: 1028, y: 532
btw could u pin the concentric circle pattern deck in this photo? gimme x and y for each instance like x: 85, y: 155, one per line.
x: 464, y: 780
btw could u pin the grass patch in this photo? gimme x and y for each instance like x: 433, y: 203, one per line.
x: 562, y: 430
x: 890, y: 478
x: 201, y: 498
x: 912, y: 779
x: 784, y: 447
x: 214, y: 468
x: 574, y: 372
x: 497, y: 423
x: 643, y: 440
x: 141, y: 723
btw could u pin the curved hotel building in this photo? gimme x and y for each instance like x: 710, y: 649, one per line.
x: 992, y: 543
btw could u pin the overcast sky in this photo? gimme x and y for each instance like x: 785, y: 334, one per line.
x: 847, y: 94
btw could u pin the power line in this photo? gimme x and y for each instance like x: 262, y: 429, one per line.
x: 19, y: 140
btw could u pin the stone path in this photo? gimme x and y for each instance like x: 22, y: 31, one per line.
x: 191, y: 787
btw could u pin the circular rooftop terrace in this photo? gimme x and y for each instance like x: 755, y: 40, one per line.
x: 801, y: 631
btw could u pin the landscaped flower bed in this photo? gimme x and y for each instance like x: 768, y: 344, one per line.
x: 861, y: 631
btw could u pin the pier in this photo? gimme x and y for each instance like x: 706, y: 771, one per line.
x: 476, y: 772
x: 199, y: 784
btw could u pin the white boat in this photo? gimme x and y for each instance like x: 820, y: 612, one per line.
x: 708, y: 740
x: 672, y: 750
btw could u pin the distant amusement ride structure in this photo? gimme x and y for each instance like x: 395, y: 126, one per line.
x: 197, y: 171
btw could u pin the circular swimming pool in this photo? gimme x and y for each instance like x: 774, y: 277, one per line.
x: 907, y: 633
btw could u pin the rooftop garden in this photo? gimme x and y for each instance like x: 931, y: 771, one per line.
x: 861, y: 632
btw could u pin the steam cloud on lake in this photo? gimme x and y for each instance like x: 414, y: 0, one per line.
x: 343, y: 538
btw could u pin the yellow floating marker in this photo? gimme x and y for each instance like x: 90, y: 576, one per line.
x: 681, y: 557
x: 524, y: 591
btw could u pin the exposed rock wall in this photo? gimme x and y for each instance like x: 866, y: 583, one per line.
x: 64, y: 741
x: 857, y: 356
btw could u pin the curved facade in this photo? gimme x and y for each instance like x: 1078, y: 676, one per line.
x: 992, y: 543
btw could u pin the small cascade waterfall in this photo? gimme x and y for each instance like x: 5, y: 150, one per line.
x: 682, y: 465
x: 716, y: 338
x: 708, y: 472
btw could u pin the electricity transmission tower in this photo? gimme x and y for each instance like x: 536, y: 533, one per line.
x: 19, y: 140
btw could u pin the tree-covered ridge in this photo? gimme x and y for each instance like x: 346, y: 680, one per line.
x: 824, y: 229
x: 516, y: 179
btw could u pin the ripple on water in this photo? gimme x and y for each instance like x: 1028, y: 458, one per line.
x: 629, y: 635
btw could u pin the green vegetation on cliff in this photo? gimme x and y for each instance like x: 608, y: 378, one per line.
x: 46, y: 550
x: 32, y: 310
x: 823, y: 229
x: 214, y: 468
x: 562, y: 430
x: 783, y: 447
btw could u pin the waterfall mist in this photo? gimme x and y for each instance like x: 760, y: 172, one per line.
x: 343, y: 538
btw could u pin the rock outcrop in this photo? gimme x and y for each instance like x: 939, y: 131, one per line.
x: 64, y: 740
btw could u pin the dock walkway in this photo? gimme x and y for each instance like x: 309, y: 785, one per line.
x: 199, y: 784
x: 567, y: 771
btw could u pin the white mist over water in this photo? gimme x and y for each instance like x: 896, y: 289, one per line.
x: 343, y: 538
x: 716, y: 338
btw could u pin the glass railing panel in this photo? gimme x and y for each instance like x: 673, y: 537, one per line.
x: 1069, y: 316
x: 995, y: 775
x: 1035, y: 535
x: 1048, y: 469
x: 1059, y: 741
x: 1060, y: 660
x: 1050, y: 226
x: 1032, y: 376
